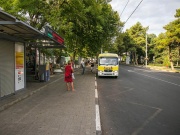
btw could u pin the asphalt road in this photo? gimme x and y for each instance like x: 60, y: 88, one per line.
x: 140, y: 102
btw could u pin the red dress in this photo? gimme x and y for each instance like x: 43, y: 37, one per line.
x: 68, y: 74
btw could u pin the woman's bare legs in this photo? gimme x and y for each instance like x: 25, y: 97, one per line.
x: 67, y: 84
x: 72, y: 86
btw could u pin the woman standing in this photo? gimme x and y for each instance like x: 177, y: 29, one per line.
x: 68, y: 76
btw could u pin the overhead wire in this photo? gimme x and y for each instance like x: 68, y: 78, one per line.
x: 133, y: 11
x: 124, y: 8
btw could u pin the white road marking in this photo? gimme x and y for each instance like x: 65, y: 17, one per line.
x: 146, y: 122
x: 145, y: 105
x: 154, y: 70
x: 144, y: 70
x: 96, y: 93
x: 95, y: 84
x: 130, y: 71
x: 115, y: 94
x: 98, y: 123
x: 169, y: 75
x: 155, y: 78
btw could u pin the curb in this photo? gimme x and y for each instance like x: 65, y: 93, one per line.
x: 164, y: 70
x: 152, y: 68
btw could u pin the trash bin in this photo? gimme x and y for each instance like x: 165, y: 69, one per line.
x: 42, y: 77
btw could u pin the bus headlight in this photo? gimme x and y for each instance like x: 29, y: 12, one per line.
x: 115, y: 72
x: 100, y: 72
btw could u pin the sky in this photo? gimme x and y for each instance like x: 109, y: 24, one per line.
x: 153, y: 13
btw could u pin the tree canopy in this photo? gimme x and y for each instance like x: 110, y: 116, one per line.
x: 91, y: 25
x: 85, y: 25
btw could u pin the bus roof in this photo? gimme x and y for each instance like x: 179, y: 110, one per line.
x: 108, y: 55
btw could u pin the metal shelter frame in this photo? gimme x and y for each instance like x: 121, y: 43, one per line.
x: 15, y: 30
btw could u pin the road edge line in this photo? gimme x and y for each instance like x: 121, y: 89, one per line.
x: 98, y: 122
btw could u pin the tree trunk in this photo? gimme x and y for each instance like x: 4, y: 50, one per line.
x: 135, y: 58
x: 179, y: 56
x: 74, y: 55
x: 170, y: 57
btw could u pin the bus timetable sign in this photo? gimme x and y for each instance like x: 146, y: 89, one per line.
x: 53, y: 35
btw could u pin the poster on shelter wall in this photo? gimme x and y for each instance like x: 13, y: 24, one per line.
x: 19, y: 60
x: 19, y: 66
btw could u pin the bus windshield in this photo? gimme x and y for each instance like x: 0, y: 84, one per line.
x: 108, y: 61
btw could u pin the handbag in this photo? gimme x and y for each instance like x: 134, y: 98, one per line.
x: 73, y: 77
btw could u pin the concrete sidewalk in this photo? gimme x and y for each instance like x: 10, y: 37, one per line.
x: 47, y: 108
x: 163, y: 69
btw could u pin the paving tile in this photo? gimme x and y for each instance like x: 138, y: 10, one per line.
x: 51, y: 110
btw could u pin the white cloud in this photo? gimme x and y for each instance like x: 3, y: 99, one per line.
x: 153, y: 13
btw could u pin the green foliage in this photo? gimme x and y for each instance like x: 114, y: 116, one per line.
x: 85, y: 25
x: 175, y: 55
x: 137, y: 33
x: 151, y: 46
x: 135, y: 40
x: 166, y: 61
x: 177, y: 15
x: 173, y: 30
x: 161, y: 41
x: 89, y: 25
x: 119, y: 43
x: 170, y: 38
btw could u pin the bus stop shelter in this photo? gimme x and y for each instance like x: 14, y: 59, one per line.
x: 15, y: 35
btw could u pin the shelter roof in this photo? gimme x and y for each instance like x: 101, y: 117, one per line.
x: 16, y: 30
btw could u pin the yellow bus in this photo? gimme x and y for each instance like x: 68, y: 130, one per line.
x: 108, y: 65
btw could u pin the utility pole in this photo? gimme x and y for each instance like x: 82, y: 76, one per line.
x: 146, y: 52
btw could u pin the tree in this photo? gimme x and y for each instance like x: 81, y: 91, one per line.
x: 173, y: 35
x: 151, y: 45
x: 85, y: 25
x: 137, y: 35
